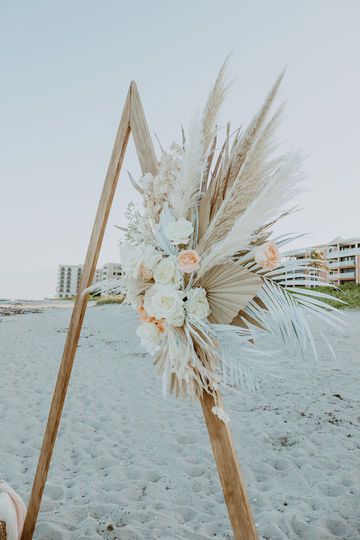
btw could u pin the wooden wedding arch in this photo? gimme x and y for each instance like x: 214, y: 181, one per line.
x: 133, y: 121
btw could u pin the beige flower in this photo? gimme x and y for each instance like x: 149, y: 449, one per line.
x: 188, y: 260
x: 268, y: 256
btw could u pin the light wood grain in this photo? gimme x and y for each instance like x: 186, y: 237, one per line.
x: 229, y: 471
x: 76, y: 321
x: 140, y: 133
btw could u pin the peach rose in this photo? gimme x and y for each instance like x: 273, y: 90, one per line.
x: 268, y: 256
x: 188, y: 261
x: 144, y: 317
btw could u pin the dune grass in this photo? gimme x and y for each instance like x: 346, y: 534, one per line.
x: 103, y: 301
x: 349, y: 293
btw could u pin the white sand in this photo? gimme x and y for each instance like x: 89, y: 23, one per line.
x: 128, y: 461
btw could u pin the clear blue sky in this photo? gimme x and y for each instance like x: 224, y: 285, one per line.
x: 65, y: 70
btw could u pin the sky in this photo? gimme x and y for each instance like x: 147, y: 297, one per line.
x: 65, y: 71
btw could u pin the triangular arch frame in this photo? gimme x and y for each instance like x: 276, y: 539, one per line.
x: 132, y: 121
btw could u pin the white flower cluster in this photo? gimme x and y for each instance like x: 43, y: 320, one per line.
x: 157, y: 284
x: 157, y: 189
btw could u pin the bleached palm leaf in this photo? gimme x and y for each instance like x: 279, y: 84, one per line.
x: 286, y: 313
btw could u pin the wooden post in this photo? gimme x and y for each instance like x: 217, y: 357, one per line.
x: 132, y: 120
x: 76, y: 322
x: 233, y: 486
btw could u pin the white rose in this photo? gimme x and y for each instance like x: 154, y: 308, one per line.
x: 197, y: 305
x: 148, y: 261
x: 165, y: 302
x: 139, y: 261
x: 150, y: 337
x: 167, y: 272
x: 179, y: 232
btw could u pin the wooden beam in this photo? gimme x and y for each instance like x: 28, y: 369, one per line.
x: 141, y: 135
x: 229, y: 471
x: 76, y: 322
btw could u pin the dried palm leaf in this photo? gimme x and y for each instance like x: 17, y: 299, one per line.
x: 228, y: 289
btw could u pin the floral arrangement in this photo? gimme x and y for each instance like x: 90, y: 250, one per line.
x: 200, y: 264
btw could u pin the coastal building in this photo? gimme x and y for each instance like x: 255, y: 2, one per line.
x: 337, y: 262
x: 344, y: 260
x: 110, y: 271
x: 318, y: 268
x: 68, y: 277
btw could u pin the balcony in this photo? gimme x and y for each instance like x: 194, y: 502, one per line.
x: 343, y: 253
x: 342, y: 264
x: 346, y: 275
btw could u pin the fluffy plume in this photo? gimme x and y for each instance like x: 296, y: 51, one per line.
x: 280, y: 189
x: 187, y: 189
x: 195, y: 162
x: 212, y: 107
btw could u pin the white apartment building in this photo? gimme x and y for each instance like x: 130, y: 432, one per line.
x: 337, y: 262
x: 318, y: 265
x: 111, y: 271
x: 344, y: 260
x: 68, y: 277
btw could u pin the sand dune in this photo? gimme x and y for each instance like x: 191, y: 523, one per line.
x: 130, y: 466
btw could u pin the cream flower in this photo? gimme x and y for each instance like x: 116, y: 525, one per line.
x: 165, y: 302
x: 150, y: 336
x: 197, y: 305
x: 179, y: 232
x: 139, y: 261
x: 165, y: 272
x: 188, y: 261
x: 268, y: 256
x: 148, y: 261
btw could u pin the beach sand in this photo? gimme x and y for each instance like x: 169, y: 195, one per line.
x: 129, y: 465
